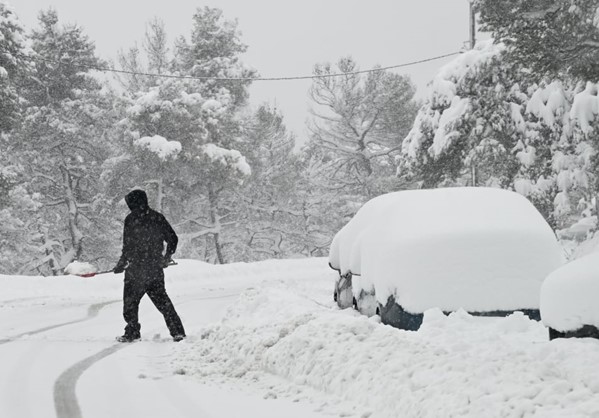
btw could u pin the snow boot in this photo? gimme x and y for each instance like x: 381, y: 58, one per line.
x: 128, y: 338
x: 178, y: 337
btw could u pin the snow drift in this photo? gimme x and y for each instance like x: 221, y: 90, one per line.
x: 456, y: 365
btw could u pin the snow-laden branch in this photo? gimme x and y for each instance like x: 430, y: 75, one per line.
x: 541, y: 13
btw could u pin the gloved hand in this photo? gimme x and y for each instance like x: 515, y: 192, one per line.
x: 167, y: 261
x: 120, y: 266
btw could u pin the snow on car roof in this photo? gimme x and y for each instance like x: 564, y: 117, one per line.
x: 480, y: 249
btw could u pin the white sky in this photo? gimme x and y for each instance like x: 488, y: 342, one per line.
x: 286, y: 38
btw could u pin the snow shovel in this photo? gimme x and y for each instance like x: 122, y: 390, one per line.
x: 92, y: 274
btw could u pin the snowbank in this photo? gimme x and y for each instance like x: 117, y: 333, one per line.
x: 569, y: 295
x: 480, y: 249
x: 456, y: 365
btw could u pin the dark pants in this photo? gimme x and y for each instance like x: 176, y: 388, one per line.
x: 147, y: 280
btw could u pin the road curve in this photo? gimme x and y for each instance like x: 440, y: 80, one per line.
x: 65, y: 398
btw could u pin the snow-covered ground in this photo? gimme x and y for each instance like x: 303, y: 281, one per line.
x: 266, y: 340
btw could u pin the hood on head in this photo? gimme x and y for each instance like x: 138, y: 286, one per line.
x: 137, y: 200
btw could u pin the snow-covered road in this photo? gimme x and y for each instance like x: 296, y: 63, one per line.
x: 58, y: 356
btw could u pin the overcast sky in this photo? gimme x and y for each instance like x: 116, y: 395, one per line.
x: 286, y: 38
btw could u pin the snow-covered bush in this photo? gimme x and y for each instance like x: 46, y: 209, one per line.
x: 480, y: 249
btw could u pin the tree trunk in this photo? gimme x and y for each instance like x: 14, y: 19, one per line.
x: 53, y: 268
x: 215, y: 219
x: 159, y: 182
x: 159, y: 194
x: 73, y: 213
x: 219, y: 254
x: 365, y: 163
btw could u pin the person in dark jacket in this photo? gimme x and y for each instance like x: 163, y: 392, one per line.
x: 142, y: 260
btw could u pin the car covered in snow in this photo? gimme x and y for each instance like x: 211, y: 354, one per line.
x: 569, y: 306
x: 484, y: 250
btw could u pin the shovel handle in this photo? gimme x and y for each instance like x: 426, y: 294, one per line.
x: 94, y: 274
x: 112, y: 270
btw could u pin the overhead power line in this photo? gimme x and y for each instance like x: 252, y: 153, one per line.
x: 306, y: 77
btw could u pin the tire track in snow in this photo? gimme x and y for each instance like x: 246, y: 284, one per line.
x: 11, y: 301
x: 92, y: 312
x: 65, y: 398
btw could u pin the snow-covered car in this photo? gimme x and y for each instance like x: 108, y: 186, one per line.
x: 569, y: 299
x: 484, y: 250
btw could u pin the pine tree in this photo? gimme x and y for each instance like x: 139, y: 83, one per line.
x: 358, y: 122
x: 553, y: 38
x: 196, y: 186
x: 465, y: 131
x: 555, y: 44
x: 355, y: 136
x: 271, y: 219
x: 18, y: 233
x: 60, y: 143
x: 214, y: 50
x: 14, y: 65
x: 17, y: 204
x: 488, y: 124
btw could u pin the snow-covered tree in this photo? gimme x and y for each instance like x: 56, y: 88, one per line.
x: 17, y: 204
x: 584, y: 160
x: 195, y: 120
x: 555, y: 45
x: 214, y: 50
x: 466, y: 128
x: 271, y: 223
x: 61, y: 141
x: 156, y: 60
x: 487, y: 123
x: 550, y: 37
x: 18, y: 232
x: 357, y: 125
x: 358, y: 122
x: 217, y: 173
x: 14, y: 64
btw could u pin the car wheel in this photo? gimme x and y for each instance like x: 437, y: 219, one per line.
x: 553, y: 334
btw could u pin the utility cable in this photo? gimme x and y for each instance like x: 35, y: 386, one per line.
x: 307, y: 77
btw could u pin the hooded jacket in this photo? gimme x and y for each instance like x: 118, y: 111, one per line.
x: 145, y: 233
